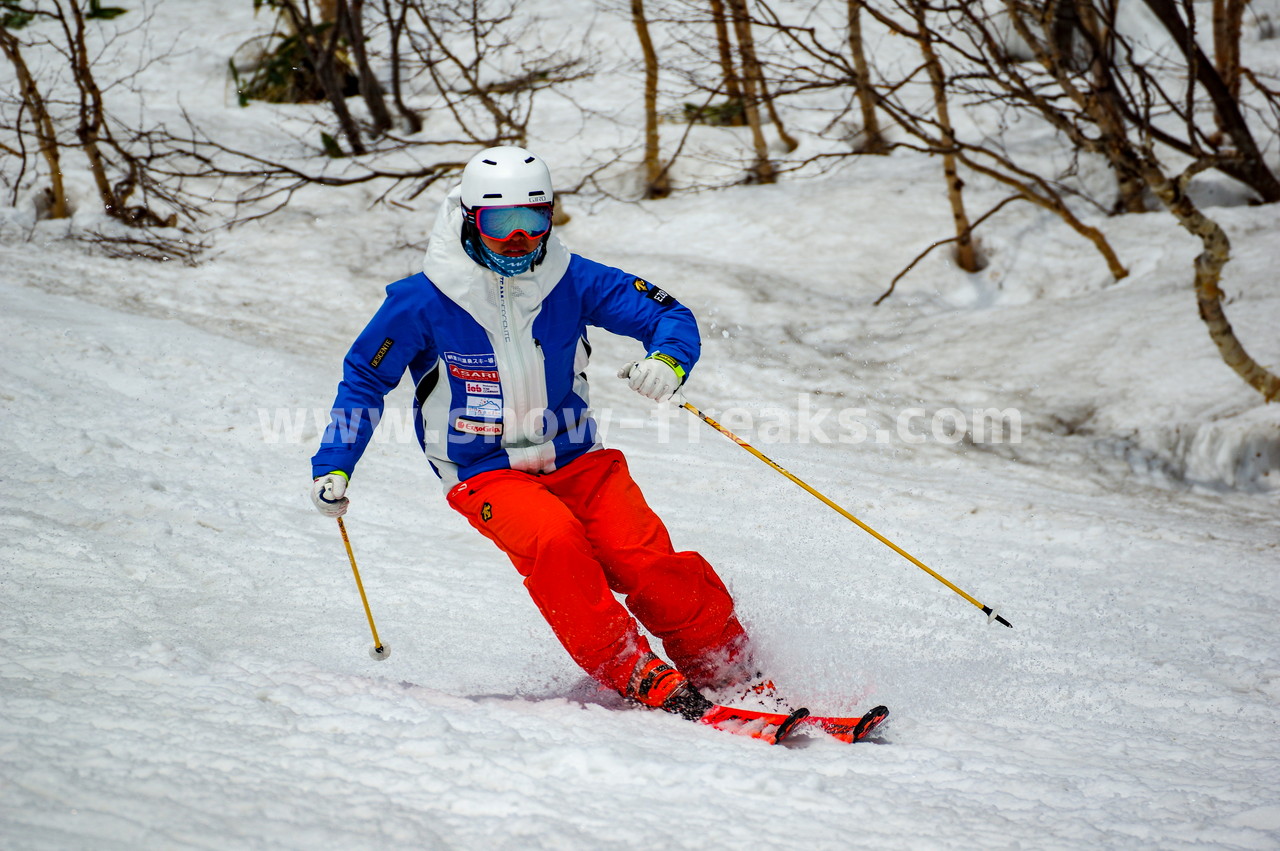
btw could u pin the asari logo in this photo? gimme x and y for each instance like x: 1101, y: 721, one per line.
x: 486, y: 512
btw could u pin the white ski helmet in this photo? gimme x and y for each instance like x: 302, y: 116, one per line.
x: 505, y: 176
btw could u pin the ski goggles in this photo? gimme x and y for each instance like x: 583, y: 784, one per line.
x: 502, y: 223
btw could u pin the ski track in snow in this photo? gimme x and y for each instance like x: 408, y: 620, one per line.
x: 183, y: 654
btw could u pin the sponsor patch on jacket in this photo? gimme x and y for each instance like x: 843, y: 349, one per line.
x: 658, y: 294
x: 480, y: 361
x: 484, y: 406
x: 484, y: 388
x: 382, y: 352
x: 473, y: 374
x: 661, y: 296
x: 473, y: 427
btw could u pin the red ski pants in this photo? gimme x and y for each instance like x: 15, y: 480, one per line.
x: 583, y: 533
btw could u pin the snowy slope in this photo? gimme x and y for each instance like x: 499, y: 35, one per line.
x: 183, y: 651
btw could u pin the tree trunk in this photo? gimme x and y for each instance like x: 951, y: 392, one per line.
x: 789, y: 142
x: 324, y: 57
x: 1129, y: 185
x: 656, y: 184
x: 872, y: 141
x: 1248, y: 166
x: 762, y: 171
x: 1208, y: 266
x: 91, y: 113
x: 1228, y: 21
x: 1217, y: 248
x: 747, y: 45
x: 352, y: 15
x: 46, y: 135
x: 322, y: 54
x: 1061, y: 24
x: 966, y: 253
x: 724, y: 47
x: 396, y: 22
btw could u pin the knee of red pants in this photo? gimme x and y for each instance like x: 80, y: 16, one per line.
x: 672, y: 592
x: 682, y: 601
x: 678, y: 597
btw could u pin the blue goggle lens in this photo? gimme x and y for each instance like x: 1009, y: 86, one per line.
x: 502, y: 222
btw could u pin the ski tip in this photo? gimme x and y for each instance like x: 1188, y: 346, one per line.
x: 785, y: 728
x: 870, y: 720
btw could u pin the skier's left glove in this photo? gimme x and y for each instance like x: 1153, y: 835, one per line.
x: 658, y: 376
x: 327, y: 494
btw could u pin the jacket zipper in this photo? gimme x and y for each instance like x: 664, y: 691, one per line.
x: 522, y: 389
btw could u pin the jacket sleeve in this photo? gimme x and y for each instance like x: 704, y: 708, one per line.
x: 372, y: 369
x: 624, y: 304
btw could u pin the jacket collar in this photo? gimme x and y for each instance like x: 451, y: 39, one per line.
x: 466, y: 282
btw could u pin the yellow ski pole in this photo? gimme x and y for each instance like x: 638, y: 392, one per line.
x: 379, y: 650
x: 992, y: 614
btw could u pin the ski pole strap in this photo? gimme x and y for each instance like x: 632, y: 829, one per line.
x: 671, y: 362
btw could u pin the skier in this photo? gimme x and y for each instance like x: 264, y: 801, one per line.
x: 493, y: 333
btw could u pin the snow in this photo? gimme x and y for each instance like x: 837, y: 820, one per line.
x: 183, y: 653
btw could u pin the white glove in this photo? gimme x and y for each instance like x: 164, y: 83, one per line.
x: 654, y: 377
x: 327, y: 493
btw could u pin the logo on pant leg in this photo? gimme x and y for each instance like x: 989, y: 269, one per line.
x: 486, y: 512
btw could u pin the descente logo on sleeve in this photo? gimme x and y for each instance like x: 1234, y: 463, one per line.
x: 382, y: 352
x: 658, y: 294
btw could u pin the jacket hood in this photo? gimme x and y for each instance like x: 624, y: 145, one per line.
x: 465, y: 281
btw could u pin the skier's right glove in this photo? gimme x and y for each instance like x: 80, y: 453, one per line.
x: 658, y: 376
x: 327, y: 494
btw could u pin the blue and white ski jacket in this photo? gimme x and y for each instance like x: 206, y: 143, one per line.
x: 498, y: 364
